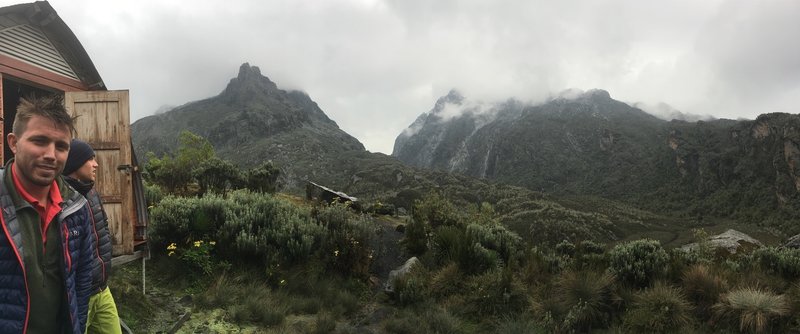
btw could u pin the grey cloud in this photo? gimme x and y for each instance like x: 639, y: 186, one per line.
x: 374, y: 65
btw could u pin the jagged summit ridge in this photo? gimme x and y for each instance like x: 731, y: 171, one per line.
x: 250, y: 78
x: 250, y: 121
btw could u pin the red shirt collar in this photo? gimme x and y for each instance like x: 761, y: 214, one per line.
x: 47, y: 211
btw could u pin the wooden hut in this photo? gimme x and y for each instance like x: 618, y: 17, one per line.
x: 39, y: 55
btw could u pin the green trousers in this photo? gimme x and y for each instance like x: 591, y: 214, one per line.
x: 103, y: 317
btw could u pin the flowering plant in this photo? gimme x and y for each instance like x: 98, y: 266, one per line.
x: 196, y: 255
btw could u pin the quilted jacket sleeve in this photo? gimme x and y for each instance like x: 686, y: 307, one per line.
x: 83, y: 275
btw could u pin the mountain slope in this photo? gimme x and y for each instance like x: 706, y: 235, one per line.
x: 592, y: 144
x: 253, y: 121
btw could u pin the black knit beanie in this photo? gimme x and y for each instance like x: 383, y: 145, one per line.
x: 79, y: 153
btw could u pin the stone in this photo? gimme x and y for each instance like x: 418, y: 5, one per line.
x: 793, y: 242
x: 399, y: 273
x: 730, y: 240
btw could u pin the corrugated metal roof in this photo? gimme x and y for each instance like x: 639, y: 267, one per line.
x: 29, y: 44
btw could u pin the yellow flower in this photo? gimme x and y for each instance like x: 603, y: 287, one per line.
x: 336, y: 253
x: 197, y: 243
x: 172, y: 246
x: 171, y: 253
x: 212, y: 243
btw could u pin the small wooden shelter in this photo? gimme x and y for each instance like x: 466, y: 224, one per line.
x: 39, y: 55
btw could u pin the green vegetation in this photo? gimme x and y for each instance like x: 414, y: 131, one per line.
x: 195, y: 170
x: 271, y: 263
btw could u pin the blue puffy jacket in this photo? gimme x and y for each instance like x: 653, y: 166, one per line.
x: 75, y: 236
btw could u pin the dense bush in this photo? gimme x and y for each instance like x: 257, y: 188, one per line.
x: 262, y: 228
x: 416, y: 237
x: 411, y: 288
x: 262, y: 178
x: 434, y: 210
x: 638, y: 262
x: 184, y: 220
x: 495, y: 237
x: 175, y: 173
x: 347, y: 245
x: 216, y: 175
x: 780, y: 261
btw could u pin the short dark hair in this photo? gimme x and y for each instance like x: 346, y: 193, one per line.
x: 50, y: 107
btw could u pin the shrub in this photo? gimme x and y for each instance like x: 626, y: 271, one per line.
x: 660, y: 309
x: 591, y: 247
x: 216, y: 175
x: 181, y: 220
x: 262, y: 228
x: 753, y: 309
x: 435, y: 211
x: 416, y: 237
x: 410, y: 289
x: 175, y: 173
x: 262, y: 178
x: 152, y: 194
x: 565, y: 248
x: 347, y: 243
x: 638, y: 262
x: 587, y: 296
x: 778, y: 261
x: 495, y: 237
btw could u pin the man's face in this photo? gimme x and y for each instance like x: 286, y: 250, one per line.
x: 40, y: 151
x: 86, y: 172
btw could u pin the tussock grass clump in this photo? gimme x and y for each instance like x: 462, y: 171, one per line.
x: 443, y: 322
x: 403, y: 323
x: 221, y: 292
x: 660, y: 309
x: 509, y: 325
x: 324, y: 323
x: 446, y: 281
x: 587, y: 297
x: 754, y: 309
x: 495, y: 293
x: 703, y: 288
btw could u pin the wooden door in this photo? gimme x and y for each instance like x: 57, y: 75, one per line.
x: 103, y: 121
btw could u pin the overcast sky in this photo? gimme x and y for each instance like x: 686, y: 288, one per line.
x: 374, y: 65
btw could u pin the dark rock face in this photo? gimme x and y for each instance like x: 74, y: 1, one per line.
x: 593, y: 144
x: 253, y: 121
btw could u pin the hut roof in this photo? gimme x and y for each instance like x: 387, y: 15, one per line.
x: 337, y: 193
x: 35, y: 34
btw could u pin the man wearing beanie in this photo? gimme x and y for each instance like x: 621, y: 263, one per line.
x: 79, y: 172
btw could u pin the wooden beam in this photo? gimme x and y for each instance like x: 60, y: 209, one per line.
x: 20, y: 69
x: 123, y: 259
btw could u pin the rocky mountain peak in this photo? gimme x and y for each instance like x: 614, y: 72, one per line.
x: 249, y: 81
x: 452, y: 97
